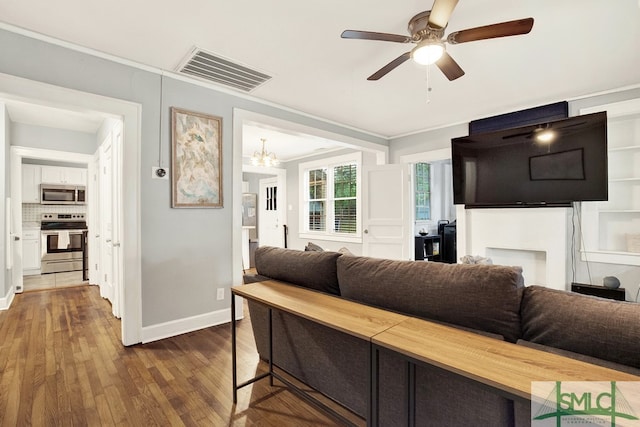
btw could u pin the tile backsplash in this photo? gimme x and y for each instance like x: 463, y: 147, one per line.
x: 32, y: 212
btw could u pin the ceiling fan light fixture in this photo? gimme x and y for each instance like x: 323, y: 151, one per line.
x: 427, y: 52
x: 545, y: 136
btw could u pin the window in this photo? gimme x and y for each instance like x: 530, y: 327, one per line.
x: 317, y: 199
x: 422, y: 191
x: 330, y: 197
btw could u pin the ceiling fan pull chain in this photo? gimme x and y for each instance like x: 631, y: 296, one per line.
x: 428, y: 83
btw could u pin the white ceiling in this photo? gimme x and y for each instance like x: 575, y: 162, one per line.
x: 575, y: 48
x: 42, y: 115
x: 285, y: 145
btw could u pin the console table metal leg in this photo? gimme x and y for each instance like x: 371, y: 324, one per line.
x: 270, y: 347
x: 233, y: 349
x: 271, y: 373
x: 411, y: 389
x: 372, y: 419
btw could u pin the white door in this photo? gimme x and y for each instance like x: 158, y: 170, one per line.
x: 117, y: 279
x: 386, y: 227
x: 93, y: 219
x: 14, y: 245
x: 270, y: 229
x: 106, y: 221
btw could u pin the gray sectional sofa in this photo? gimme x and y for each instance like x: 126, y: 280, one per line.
x: 487, y: 299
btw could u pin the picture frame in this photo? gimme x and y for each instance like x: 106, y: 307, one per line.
x: 196, y: 160
x: 249, y: 209
x: 559, y: 166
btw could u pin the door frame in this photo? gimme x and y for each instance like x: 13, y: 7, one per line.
x: 17, y: 154
x: 240, y: 117
x: 21, y: 89
x: 429, y: 157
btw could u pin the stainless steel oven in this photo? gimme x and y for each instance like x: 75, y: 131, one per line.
x: 54, y: 194
x: 63, y: 242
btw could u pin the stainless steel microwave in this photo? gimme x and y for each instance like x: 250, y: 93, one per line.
x: 52, y: 194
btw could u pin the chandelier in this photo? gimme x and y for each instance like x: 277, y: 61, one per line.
x: 264, y: 158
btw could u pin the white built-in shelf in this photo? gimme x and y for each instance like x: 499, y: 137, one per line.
x: 612, y: 257
x: 605, y: 225
x: 624, y: 179
x: 625, y: 148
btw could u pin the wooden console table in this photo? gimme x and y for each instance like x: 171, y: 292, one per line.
x: 359, y: 320
x: 506, y: 368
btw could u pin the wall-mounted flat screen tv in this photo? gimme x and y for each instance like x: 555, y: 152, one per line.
x: 548, y: 164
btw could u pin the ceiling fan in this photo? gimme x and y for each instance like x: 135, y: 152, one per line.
x: 426, y: 30
x: 545, y: 132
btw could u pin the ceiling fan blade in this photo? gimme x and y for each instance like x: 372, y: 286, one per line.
x: 449, y: 67
x: 504, y: 29
x: 370, y: 35
x: 517, y: 135
x: 441, y: 12
x: 390, y: 66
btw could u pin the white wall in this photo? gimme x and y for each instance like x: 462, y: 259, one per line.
x: 425, y: 141
x: 52, y: 139
x: 186, y: 253
x: 5, y: 191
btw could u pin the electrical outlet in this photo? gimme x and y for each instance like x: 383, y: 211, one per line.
x: 220, y: 295
x: 159, y: 173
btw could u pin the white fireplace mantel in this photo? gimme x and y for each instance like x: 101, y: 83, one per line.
x: 533, y: 238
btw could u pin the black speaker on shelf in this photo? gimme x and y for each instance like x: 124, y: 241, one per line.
x: 449, y: 249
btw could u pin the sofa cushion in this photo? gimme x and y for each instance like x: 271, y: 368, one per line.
x: 597, y: 327
x: 311, y: 269
x: 483, y: 297
x: 313, y: 247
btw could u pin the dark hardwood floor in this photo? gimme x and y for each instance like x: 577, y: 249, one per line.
x: 62, y: 363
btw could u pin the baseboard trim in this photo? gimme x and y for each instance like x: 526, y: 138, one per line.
x: 182, y: 326
x: 5, y: 302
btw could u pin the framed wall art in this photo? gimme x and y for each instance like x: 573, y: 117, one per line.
x: 196, y: 160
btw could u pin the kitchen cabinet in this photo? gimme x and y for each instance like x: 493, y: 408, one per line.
x: 31, y: 251
x: 31, y: 179
x: 62, y: 175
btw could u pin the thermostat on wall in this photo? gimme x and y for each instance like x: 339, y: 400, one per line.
x: 159, y: 173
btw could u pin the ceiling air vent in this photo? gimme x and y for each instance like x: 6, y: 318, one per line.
x: 207, y: 66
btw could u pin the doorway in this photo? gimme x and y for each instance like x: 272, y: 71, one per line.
x: 244, y: 117
x: 40, y: 93
x: 431, y: 202
x: 268, y: 187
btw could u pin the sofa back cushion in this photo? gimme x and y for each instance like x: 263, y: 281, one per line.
x: 601, y: 328
x: 483, y: 297
x: 314, y: 270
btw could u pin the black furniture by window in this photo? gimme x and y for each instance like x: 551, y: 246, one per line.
x: 449, y: 247
x: 599, y: 291
x: 427, y: 248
